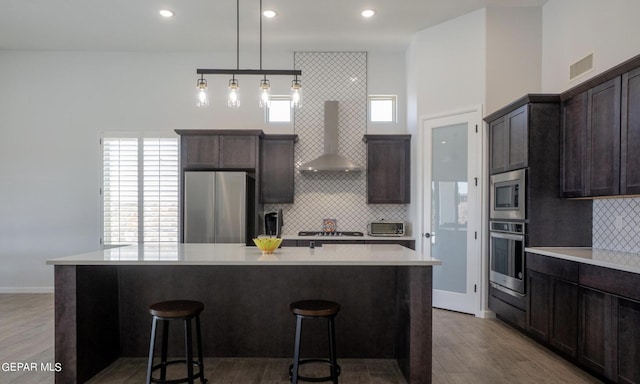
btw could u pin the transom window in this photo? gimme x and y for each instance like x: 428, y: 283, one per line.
x: 279, y: 110
x: 382, y: 108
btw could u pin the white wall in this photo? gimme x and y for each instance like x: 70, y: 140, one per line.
x: 514, y: 51
x: 445, y: 72
x: 572, y: 29
x: 53, y: 108
x: 386, y: 76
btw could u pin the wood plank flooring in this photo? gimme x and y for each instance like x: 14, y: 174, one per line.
x: 465, y: 350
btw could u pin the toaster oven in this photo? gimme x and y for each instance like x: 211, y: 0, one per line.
x: 385, y: 228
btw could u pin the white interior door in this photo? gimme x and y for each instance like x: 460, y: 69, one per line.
x: 451, y: 224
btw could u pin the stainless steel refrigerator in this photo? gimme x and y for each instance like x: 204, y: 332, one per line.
x: 216, y: 207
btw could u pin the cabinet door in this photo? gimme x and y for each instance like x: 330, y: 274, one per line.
x: 199, y: 151
x: 573, y: 146
x: 238, y: 152
x: 594, y: 334
x: 388, y: 171
x: 499, y: 141
x: 628, y: 338
x: 277, y: 171
x: 630, y: 134
x: 603, y: 139
x: 518, y: 123
x: 538, y: 305
x: 563, y: 333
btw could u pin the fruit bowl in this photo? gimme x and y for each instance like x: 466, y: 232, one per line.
x: 267, y: 244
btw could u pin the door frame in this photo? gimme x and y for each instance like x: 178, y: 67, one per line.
x: 481, y: 307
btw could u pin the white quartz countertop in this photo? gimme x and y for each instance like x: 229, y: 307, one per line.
x: 629, y: 262
x: 239, y: 254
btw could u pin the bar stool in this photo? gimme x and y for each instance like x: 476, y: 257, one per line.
x: 166, y: 311
x: 315, y: 309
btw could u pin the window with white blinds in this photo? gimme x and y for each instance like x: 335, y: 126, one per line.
x: 140, y: 190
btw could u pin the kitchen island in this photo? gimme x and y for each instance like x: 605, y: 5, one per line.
x: 101, y: 301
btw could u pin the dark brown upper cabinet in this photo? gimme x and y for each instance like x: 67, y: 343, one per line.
x: 601, y: 134
x: 630, y: 134
x: 590, y: 158
x: 573, y: 146
x: 388, y: 169
x: 277, y: 168
x: 509, y: 144
x: 603, y: 139
x: 219, y: 149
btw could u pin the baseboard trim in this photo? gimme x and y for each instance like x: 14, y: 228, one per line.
x: 486, y: 314
x: 26, y: 290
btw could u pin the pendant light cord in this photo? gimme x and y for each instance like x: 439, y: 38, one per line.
x: 237, y: 34
x: 261, y: 36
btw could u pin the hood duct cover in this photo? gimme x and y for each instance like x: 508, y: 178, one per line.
x: 330, y: 161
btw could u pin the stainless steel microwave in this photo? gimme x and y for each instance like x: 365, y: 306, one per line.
x: 386, y: 228
x: 508, y: 195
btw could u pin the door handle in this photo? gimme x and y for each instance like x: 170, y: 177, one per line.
x: 427, y: 235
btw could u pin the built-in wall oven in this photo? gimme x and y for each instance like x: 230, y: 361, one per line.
x: 507, y: 196
x: 506, y: 256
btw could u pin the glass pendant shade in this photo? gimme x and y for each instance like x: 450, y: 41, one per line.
x: 296, y: 94
x: 233, y: 99
x: 202, y: 95
x: 265, y: 97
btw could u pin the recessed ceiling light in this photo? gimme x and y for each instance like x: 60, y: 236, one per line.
x: 166, y: 13
x: 368, y: 13
x: 269, y: 13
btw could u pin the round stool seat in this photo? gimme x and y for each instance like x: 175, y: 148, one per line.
x: 314, y: 308
x: 176, y: 309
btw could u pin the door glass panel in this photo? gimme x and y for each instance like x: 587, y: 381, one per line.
x: 449, y: 206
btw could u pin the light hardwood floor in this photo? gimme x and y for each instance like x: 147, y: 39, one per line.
x: 465, y: 350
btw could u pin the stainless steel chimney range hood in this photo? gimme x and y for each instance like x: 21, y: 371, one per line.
x: 330, y: 161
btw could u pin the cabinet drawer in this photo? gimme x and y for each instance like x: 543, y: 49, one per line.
x: 558, y: 268
x: 619, y: 283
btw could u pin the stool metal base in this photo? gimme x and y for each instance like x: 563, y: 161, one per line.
x: 316, y: 379
x: 163, y: 366
x: 190, y: 362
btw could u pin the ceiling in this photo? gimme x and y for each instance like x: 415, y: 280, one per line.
x: 210, y: 25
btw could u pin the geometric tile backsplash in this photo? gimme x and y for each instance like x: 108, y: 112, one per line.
x: 616, y: 224
x: 340, y: 76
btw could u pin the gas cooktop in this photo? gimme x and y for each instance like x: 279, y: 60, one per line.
x: 330, y: 234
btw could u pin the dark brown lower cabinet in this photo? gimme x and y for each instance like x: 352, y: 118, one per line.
x: 610, y: 335
x: 411, y: 244
x: 552, y: 312
x: 628, y: 324
x: 588, y: 314
x: 564, y: 309
x: 595, y: 342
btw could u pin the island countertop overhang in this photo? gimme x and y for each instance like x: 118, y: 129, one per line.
x: 242, y: 255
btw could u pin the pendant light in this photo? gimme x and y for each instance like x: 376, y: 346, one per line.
x: 202, y: 95
x: 233, y: 98
x: 296, y: 93
x: 233, y: 94
x: 265, y: 93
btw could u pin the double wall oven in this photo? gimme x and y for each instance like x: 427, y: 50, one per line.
x: 507, y: 231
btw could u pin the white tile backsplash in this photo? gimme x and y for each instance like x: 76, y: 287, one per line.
x: 616, y: 224
x: 340, y: 76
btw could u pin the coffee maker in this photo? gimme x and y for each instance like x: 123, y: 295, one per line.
x: 273, y: 223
